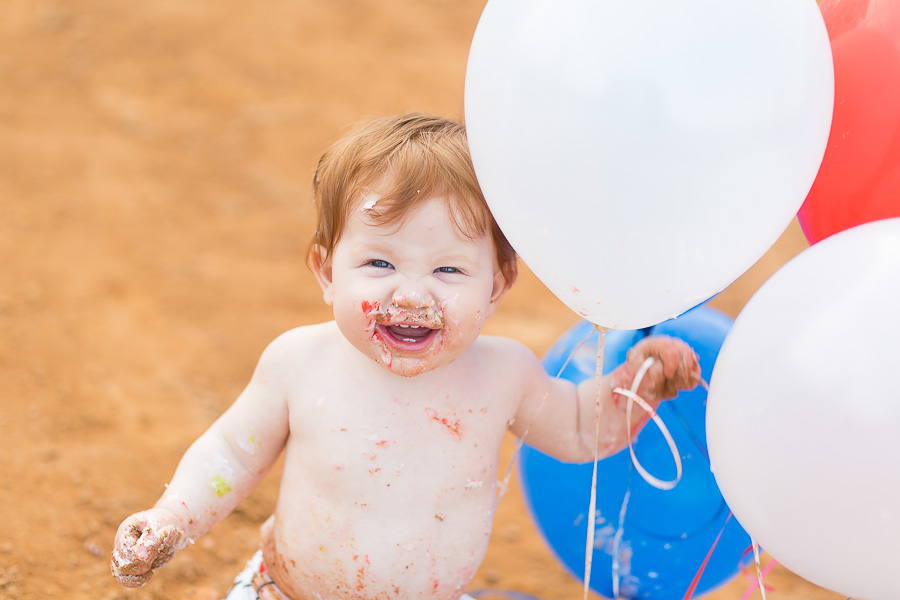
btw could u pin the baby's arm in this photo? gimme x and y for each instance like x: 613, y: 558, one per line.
x: 218, y: 471
x: 560, y: 418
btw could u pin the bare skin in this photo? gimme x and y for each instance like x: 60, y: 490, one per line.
x: 390, y: 432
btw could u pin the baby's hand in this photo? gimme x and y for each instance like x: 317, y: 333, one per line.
x: 674, y: 368
x: 145, y: 541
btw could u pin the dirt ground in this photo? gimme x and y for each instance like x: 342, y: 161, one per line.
x: 155, y: 160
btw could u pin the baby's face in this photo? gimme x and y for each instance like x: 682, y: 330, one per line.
x: 412, y: 297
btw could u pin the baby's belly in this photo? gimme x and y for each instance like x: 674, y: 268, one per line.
x: 416, y: 534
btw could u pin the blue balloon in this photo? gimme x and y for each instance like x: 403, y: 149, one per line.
x: 666, y: 534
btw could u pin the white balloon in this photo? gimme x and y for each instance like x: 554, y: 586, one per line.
x: 803, y: 413
x: 641, y: 155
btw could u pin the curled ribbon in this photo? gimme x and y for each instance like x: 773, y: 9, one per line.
x: 635, y: 399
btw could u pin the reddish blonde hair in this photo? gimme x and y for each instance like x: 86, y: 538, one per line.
x: 406, y: 158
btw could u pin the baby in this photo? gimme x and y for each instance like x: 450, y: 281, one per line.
x: 391, y: 415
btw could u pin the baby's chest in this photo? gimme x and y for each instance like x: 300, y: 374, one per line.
x: 390, y: 444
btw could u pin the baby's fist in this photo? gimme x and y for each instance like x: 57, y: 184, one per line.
x: 675, y: 367
x: 145, y: 541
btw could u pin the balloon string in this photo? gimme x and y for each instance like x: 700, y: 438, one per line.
x: 592, y: 508
x: 754, y: 581
x: 694, y: 437
x: 617, y: 540
x: 503, y: 485
x: 572, y: 353
x: 635, y: 399
x: 759, y: 575
x: 743, y: 564
x: 693, y: 586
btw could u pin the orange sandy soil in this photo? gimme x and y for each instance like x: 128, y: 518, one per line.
x: 155, y: 160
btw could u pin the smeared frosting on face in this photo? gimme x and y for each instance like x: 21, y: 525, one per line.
x: 427, y: 305
x: 406, y: 312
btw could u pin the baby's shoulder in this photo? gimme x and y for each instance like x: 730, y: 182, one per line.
x: 509, y: 352
x: 307, y: 334
x: 300, y: 343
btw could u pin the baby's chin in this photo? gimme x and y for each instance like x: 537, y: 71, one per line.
x: 407, y: 366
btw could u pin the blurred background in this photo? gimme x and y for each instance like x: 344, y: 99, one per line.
x: 155, y: 207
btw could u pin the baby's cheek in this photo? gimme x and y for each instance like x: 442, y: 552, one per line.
x: 462, y: 319
x: 452, y: 330
x: 480, y: 318
x: 471, y: 327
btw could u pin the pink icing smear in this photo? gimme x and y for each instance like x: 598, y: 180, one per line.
x: 370, y: 307
x: 454, y: 426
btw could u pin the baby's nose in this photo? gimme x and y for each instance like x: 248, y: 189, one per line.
x: 412, y: 294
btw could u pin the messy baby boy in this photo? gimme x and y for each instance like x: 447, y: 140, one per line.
x: 391, y: 415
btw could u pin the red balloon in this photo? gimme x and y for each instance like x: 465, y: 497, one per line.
x: 859, y: 180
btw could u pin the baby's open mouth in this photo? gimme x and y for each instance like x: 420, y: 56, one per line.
x: 407, y: 337
x: 404, y: 330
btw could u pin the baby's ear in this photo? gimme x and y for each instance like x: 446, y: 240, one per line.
x: 499, y: 289
x: 320, y: 263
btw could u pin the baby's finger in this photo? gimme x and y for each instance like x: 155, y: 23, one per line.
x: 670, y: 357
x: 695, y: 370
x: 124, y: 559
x: 133, y: 580
x: 690, y: 366
x: 167, y: 544
x: 143, y: 550
x: 130, y: 530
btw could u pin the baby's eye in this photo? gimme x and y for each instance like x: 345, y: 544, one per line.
x: 447, y: 270
x: 380, y: 264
